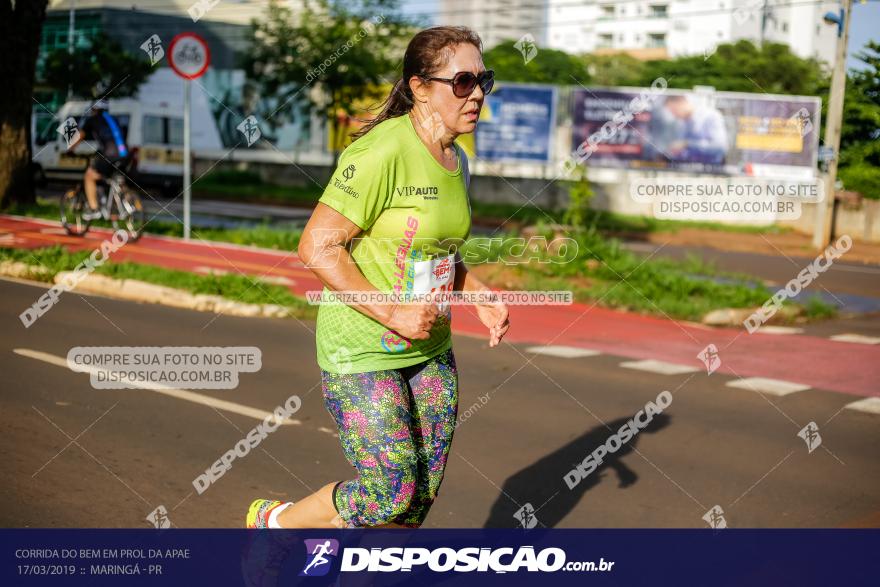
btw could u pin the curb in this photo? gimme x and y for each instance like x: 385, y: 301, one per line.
x: 23, y: 270
x: 148, y: 293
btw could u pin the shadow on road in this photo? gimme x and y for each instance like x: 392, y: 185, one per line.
x: 541, y: 484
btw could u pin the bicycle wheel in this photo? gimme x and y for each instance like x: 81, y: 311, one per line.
x: 131, y: 212
x: 73, y: 203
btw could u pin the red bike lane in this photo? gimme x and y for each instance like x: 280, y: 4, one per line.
x: 817, y: 362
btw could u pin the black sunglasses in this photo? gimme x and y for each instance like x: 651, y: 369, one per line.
x: 464, y: 82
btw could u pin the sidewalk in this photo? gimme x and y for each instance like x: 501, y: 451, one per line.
x: 819, y: 362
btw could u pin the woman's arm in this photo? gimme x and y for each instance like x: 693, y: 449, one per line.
x: 493, y: 315
x: 322, y: 248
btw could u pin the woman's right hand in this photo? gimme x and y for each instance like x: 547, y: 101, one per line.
x: 413, y: 320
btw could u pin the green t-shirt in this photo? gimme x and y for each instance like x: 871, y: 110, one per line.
x: 414, y: 213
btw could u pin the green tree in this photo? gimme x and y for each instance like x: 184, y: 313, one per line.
x: 347, y: 49
x: 547, y: 66
x: 860, y: 136
x: 617, y: 69
x: 21, y: 23
x: 742, y: 67
x: 104, y: 67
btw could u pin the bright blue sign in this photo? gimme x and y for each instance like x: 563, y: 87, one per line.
x: 517, y: 124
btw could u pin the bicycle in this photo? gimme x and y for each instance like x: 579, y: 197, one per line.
x: 118, y: 204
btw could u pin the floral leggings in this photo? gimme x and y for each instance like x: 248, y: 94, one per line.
x: 396, y: 428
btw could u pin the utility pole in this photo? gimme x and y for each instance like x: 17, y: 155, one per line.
x: 71, y: 28
x: 825, y: 208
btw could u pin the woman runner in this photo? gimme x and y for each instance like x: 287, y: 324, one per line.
x: 388, y: 374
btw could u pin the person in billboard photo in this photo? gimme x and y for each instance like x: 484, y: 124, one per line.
x: 701, y: 136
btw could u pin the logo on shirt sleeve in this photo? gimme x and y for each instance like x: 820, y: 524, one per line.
x: 348, y: 172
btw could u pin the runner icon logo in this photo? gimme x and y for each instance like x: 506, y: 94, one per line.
x: 348, y: 172
x: 526, y: 516
x: 710, y: 358
x: 715, y: 518
x: 153, y: 48
x: 319, y: 555
x: 810, y: 435
x: 159, y: 518
x: 250, y: 129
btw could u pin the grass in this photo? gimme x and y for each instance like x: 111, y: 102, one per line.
x: 235, y: 287
x: 262, y: 235
x: 248, y: 187
x: 604, y: 273
x: 611, y: 222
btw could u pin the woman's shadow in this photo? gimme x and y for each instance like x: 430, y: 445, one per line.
x: 538, y: 494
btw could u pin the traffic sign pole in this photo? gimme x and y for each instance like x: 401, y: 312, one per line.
x: 189, y: 57
x: 187, y: 158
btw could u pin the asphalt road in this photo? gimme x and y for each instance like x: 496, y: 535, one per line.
x: 78, y: 456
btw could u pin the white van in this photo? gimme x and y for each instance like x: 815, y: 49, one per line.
x: 152, y: 123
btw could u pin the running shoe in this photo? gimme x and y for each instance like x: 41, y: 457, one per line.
x: 258, y: 513
x: 92, y: 214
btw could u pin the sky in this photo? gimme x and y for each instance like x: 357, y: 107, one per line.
x: 864, y: 27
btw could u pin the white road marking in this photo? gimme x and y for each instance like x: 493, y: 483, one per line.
x: 566, y: 352
x: 780, y: 330
x: 856, y: 338
x: 661, y: 367
x: 183, y: 394
x: 766, y: 385
x: 869, y: 405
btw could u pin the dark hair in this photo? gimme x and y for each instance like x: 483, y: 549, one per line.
x: 426, y: 53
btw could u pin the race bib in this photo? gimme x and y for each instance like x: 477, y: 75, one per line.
x: 435, y: 276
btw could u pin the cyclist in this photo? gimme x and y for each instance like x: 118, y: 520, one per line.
x: 388, y: 373
x: 101, y: 127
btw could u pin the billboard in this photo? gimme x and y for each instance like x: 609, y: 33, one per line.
x: 517, y: 124
x: 728, y: 133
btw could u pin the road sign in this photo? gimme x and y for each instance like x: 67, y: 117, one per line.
x: 189, y: 57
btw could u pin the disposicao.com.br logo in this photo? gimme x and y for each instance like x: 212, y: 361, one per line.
x: 321, y: 552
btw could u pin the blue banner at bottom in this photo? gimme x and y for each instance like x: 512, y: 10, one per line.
x: 268, y: 558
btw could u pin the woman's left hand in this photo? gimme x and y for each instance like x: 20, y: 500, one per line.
x: 494, y: 316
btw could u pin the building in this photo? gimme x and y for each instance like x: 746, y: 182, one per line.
x: 649, y: 29
x: 497, y: 20
x: 237, y: 12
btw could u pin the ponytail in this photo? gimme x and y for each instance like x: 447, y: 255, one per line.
x: 398, y: 103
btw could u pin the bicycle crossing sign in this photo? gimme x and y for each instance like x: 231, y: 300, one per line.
x: 189, y: 55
